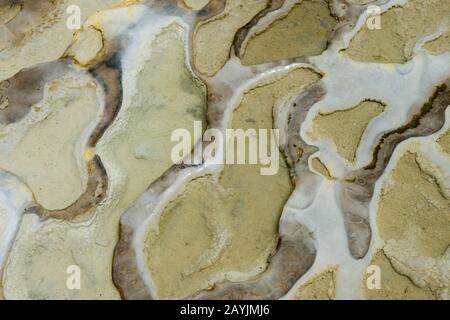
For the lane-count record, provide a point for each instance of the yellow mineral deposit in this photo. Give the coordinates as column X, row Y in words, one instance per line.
column 8, row 12
column 321, row 287
column 88, row 44
column 413, row 201
column 346, row 127
column 213, row 38
column 401, row 29
column 440, row 45
column 413, row 220
column 444, row 142
column 305, row 31
column 394, row 286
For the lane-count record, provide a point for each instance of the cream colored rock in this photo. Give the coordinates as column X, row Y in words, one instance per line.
column 195, row 4
column 86, row 118
column 49, row 156
column 304, row 31
column 321, row 287
column 401, row 29
column 146, row 121
column 346, row 127
column 88, row 44
column 41, row 33
column 213, row 38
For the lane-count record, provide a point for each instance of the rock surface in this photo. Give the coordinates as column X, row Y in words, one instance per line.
column 96, row 96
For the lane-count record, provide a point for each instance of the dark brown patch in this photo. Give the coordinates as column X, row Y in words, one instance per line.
column 32, row 14
column 125, row 275
column 108, row 74
column 19, row 93
column 213, row 8
column 95, row 192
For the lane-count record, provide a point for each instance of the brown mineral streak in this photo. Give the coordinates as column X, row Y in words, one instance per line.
column 295, row 254
column 97, row 59
column 243, row 32
column 108, row 74
column 213, row 8
column 297, row 149
column 125, row 272
column 358, row 186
